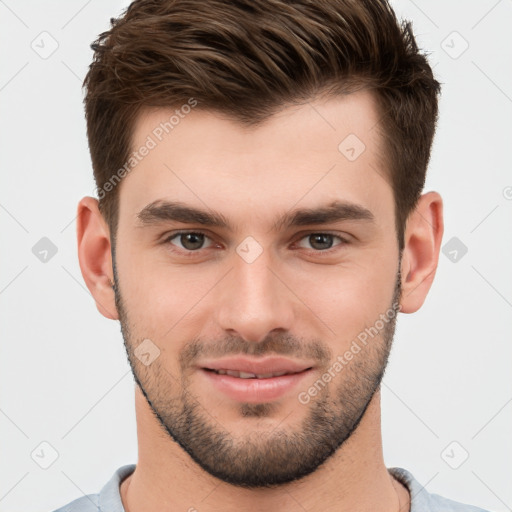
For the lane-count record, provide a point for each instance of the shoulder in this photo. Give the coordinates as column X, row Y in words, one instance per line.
column 107, row 500
column 444, row 504
column 423, row 501
column 88, row 503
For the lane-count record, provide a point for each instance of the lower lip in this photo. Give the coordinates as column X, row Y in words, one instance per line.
column 254, row 390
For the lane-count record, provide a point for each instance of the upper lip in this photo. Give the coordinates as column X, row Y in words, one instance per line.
column 257, row 366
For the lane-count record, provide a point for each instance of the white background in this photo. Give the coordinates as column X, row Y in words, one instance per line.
column 64, row 378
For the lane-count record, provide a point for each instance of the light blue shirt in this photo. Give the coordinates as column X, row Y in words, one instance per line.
column 109, row 499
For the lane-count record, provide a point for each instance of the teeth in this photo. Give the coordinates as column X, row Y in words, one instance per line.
column 269, row 375
column 266, row 376
column 241, row 375
column 246, row 375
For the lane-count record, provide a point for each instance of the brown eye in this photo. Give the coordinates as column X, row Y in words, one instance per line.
column 189, row 240
column 322, row 241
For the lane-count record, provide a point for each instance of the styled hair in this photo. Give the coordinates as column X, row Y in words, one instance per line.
column 248, row 59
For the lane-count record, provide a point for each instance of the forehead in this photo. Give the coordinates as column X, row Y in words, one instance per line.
column 316, row 153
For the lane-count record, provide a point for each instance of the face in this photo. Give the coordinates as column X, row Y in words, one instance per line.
column 263, row 251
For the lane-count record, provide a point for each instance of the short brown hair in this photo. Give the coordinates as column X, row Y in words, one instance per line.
column 248, row 58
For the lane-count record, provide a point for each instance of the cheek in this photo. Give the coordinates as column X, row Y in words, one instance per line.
column 350, row 299
column 158, row 296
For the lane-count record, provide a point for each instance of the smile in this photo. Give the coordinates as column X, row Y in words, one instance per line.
column 246, row 375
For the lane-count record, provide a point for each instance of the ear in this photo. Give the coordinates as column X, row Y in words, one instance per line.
column 94, row 255
column 422, row 243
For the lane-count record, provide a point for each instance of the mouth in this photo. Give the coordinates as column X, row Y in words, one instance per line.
column 264, row 385
column 248, row 375
column 254, row 380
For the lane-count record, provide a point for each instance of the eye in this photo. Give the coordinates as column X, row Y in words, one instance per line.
column 190, row 240
column 322, row 242
column 193, row 241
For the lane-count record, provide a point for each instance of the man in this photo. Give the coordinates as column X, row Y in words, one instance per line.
column 260, row 223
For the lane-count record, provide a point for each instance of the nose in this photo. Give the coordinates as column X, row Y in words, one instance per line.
column 255, row 300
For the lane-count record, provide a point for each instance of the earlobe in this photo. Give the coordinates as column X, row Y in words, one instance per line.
column 94, row 255
column 423, row 235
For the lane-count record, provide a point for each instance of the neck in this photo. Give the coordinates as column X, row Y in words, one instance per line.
column 354, row 478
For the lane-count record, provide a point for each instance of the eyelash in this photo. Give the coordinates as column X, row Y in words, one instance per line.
column 189, row 253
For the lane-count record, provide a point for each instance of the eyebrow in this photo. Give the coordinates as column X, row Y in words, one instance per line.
column 161, row 211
